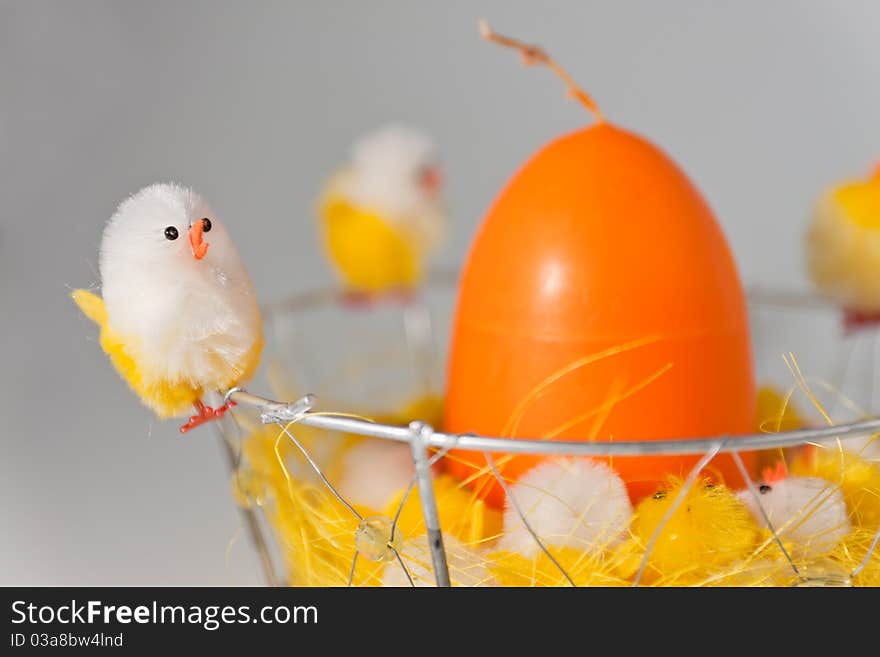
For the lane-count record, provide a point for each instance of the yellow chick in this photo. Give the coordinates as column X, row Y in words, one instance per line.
column 382, row 214
column 710, row 530
column 179, row 315
column 462, row 514
column 843, row 248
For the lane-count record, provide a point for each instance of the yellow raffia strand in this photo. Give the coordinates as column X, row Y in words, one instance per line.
column 462, row 514
column 605, row 408
column 513, row 569
column 314, row 531
column 542, row 387
column 776, row 412
column 709, row 532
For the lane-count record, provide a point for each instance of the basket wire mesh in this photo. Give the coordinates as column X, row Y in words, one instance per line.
column 377, row 536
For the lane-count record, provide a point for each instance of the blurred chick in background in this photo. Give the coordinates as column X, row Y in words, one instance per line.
column 843, row 248
column 381, row 214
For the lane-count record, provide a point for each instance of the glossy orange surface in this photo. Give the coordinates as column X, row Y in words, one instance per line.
column 599, row 301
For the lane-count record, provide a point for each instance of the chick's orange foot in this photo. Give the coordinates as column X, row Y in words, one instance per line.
column 857, row 320
column 357, row 299
column 205, row 414
column 403, row 295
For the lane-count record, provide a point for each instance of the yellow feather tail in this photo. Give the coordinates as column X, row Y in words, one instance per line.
column 91, row 305
column 166, row 398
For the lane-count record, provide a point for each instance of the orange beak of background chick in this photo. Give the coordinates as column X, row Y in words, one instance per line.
column 199, row 246
column 431, row 180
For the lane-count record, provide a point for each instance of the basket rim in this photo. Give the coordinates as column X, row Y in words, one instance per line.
column 300, row 412
column 764, row 295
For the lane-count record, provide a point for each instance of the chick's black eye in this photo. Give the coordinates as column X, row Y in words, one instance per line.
column 764, row 489
column 206, row 225
column 171, row 233
column 659, row 495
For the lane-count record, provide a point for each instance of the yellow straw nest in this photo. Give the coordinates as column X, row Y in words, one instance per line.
column 707, row 537
column 318, row 535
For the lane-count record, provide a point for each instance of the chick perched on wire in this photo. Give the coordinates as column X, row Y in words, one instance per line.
column 382, row 214
column 843, row 248
column 179, row 316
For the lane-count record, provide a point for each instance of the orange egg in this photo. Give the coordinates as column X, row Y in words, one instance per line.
column 599, row 301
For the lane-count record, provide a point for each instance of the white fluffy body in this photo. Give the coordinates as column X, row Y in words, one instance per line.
column 373, row 471
column 578, row 503
column 808, row 512
column 182, row 319
column 466, row 566
column 383, row 176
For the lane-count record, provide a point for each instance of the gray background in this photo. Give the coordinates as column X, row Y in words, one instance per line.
column 253, row 104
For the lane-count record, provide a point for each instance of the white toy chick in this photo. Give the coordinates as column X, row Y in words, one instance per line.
column 807, row 512
column 577, row 503
column 374, row 471
column 382, row 214
column 179, row 316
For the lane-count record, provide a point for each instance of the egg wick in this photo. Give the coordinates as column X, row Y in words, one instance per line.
column 533, row 54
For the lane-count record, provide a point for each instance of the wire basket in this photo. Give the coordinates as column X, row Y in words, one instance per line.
column 378, row 367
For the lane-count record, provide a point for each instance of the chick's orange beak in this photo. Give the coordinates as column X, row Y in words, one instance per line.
column 199, row 247
column 431, row 180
